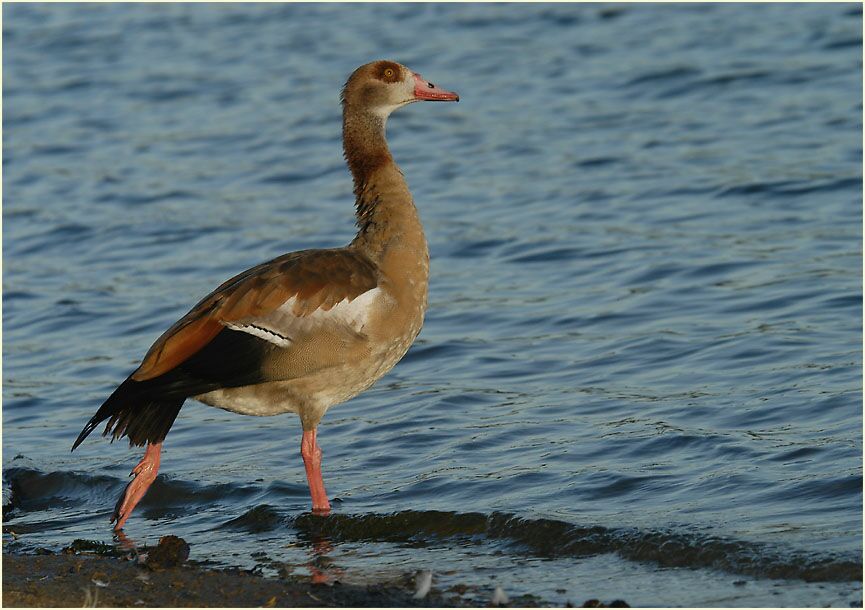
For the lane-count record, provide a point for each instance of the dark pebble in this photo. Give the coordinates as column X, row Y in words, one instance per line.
column 169, row 553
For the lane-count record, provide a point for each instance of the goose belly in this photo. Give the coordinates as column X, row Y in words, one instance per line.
column 314, row 393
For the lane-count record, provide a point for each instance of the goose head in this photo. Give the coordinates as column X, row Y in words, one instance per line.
column 380, row 87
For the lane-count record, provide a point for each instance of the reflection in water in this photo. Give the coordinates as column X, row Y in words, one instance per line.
column 125, row 543
column 321, row 567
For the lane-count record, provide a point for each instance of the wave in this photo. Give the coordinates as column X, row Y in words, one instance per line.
column 550, row 538
column 27, row 489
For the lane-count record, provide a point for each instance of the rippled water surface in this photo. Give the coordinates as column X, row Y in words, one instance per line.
column 640, row 374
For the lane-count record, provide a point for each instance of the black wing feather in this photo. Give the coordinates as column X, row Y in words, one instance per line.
column 144, row 411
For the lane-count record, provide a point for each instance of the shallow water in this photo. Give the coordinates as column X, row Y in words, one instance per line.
column 640, row 375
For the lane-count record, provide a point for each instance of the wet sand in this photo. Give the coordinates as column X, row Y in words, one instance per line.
column 64, row 580
column 90, row 580
column 90, row 573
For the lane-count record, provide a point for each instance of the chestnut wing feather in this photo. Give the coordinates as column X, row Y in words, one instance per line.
column 315, row 279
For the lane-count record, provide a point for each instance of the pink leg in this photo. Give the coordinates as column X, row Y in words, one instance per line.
column 144, row 474
column 311, row 453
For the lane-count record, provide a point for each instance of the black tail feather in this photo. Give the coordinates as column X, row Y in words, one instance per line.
column 134, row 412
column 145, row 410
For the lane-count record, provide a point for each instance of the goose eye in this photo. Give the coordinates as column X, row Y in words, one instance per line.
column 389, row 72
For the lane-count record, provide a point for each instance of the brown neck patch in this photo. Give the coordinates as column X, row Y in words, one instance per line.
column 364, row 143
column 366, row 152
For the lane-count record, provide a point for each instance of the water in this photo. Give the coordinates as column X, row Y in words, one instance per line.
column 640, row 375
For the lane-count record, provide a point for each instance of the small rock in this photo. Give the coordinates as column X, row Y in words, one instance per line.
column 170, row 552
column 423, row 582
column 500, row 598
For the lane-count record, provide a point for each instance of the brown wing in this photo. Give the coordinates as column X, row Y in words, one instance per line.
column 319, row 279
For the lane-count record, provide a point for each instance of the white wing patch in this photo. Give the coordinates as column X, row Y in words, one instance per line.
column 261, row 333
column 281, row 327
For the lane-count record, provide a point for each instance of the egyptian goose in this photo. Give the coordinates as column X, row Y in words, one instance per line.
column 306, row 330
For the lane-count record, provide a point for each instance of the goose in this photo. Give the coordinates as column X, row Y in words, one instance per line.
column 306, row 330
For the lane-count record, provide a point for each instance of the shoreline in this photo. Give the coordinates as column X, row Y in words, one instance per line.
column 82, row 575
column 63, row 580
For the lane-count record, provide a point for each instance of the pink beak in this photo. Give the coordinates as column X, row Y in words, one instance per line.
column 424, row 90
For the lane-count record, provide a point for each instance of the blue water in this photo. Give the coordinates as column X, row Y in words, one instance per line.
column 640, row 374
